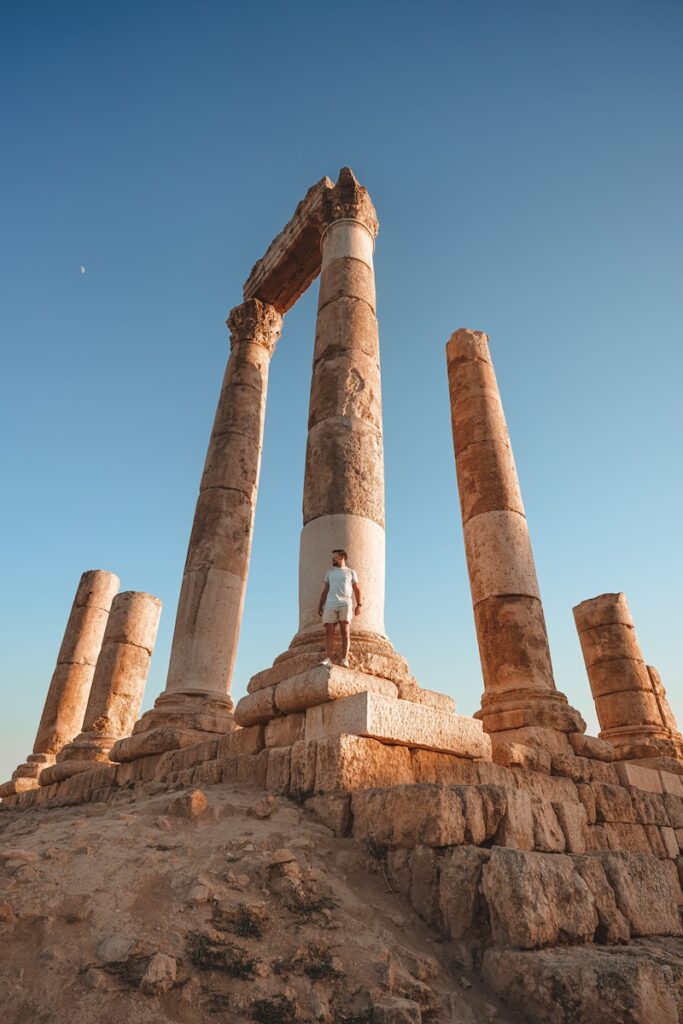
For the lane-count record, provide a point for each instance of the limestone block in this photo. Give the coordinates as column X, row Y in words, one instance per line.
column 537, row 899
column 519, row 755
column 278, row 772
column 605, row 610
column 640, row 778
column 573, row 821
column 117, row 690
column 606, row 773
column 548, row 834
column 302, row 768
column 256, row 708
column 487, row 478
column 627, row 708
column 221, row 532
column 346, row 384
column 612, row 803
column 424, row 884
column 570, row 766
column 239, row 412
column 671, row 783
column 242, row 741
column 347, row 278
column 233, row 461
column 83, row 634
column 134, row 619
column 64, row 706
column 567, row 985
column 648, row 808
column 347, row 454
column 286, row 730
column 397, row 866
column 322, row 684
column 670, row 842
column 156, row 741
column 333, row 810
column 432, row 698
column 513, row 643
column 516, row 829
column 408, row 816
column 460, row 902
column 347, row 238
column 547, row 787
column 348, row 763
column 623, row 836
column 476, row 419
column 346, row 326
column 252, row 769
column 612, row 925
column 484, row 808
column 447, row 769
column 609, row 642
column 610, row 677
column 587, row 798
column 643, row 893
column 396, row 721
column 591, row 747
column 499, row 557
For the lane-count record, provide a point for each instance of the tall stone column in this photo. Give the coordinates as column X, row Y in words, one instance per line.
column 630, row 700
column 343, row 500
column 69, row 689
column 197, row 697
column 117, row 688
column 520, row 702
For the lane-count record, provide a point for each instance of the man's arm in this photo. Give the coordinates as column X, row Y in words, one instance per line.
column 321, row 602
column 359, row 601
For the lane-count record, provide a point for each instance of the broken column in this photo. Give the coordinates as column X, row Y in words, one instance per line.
column 117, row 688
column 630, row 699
column 520, row 701
column 197, row 697
column 69, row 689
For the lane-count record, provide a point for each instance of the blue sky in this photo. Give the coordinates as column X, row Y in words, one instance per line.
column 525, row 161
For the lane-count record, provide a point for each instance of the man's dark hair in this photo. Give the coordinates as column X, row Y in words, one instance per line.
column 340, row 551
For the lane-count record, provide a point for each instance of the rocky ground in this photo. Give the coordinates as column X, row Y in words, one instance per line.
column 213, row 905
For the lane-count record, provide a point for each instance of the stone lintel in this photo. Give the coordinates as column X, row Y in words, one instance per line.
column 399, row 722
column 292, row 260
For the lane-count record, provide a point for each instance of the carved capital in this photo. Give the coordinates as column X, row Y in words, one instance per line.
column 349, row 201
column 255, row 323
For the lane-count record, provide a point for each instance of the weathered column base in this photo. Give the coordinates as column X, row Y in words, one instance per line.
column 536, row 718
column 641, row 742
column 26, row 776
column 88, row 751
column 176, row 720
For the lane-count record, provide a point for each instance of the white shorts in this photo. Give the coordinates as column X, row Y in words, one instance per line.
column 339, row 613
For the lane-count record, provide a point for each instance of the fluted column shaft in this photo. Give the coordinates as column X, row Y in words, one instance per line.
column 520, row 698
column 630, row 700
column 69, row 689
column 117, row 688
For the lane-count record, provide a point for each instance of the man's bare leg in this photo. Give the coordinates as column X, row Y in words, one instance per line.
column 345, row 640
column 329, row 638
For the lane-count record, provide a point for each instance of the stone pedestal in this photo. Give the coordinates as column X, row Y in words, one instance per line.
column 197, row 697
column 69, row 689
column 520, row 702
column 117, row 688
column 630, row 700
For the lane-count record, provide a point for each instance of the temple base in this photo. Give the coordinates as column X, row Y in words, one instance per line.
column 177, row 720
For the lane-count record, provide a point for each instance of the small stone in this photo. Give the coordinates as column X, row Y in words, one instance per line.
column 114, row 948
column 263, row 808
column 464, row 983
column 160, row 974
column 282, row 856
column 163, row 823
column 198, row 894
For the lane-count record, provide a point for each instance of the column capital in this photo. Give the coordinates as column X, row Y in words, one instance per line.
column 256, row 323
column 349, row 201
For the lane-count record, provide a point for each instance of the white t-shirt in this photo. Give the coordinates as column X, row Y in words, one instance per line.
column 341, row 582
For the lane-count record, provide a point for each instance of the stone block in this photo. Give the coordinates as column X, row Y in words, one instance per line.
column 349, row 474
column 424, row 884
column 499, row 557
column 537, row 899
column 484, row 807
column 674, row 810
column 513, row 642
column 570, row 766
column 400, row 722
column 322, row 684
column 678, row 832
column 591, row 747
column 156, row 741
column 587, row 799
column 302, row 768
column 445, row 769
column 333, row 810
column 671, row 783
column 462, row 908
column 573, row 821
column 519, row 755
column 355, row 762
column 408, row 816
column 252, row 769
column 639, row 778
column 278, row 772
column 630, row 707
column 649, row 808
column 516, row 829
column 627, row 837
column 612, row 803
column 256, row 708
column 603, row 772
column 657, row 846
column 670, row 841
column 612, row 925
column 397, row 867
column 643, row 892
column 242, row 741
column 286, row 730
column 553, row 788
column 548, row 834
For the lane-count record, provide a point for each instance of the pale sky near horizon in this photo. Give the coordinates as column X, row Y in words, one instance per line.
column 526, row 164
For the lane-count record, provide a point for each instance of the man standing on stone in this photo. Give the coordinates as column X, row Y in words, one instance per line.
column 336, row 605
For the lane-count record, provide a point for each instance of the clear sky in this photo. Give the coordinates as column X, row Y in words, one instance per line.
column 526, row 163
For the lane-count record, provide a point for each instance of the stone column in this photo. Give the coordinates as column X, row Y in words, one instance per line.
column 117, row 688
column 69, row 689
column 630, row 700
column 197, row 696
column 343, row 501
column 520, row 702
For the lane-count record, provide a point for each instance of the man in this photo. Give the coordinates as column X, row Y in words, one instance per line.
column 336, row 605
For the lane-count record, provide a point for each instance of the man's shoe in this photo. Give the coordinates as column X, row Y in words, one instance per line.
column 344, row 662
column 326, row 662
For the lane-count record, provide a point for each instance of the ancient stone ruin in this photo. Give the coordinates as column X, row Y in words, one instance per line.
column 544, row 856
